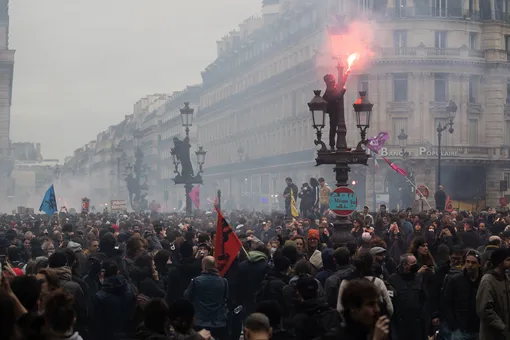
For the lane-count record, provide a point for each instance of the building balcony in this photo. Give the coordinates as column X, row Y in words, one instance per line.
column 422, row 52
column 433, row 12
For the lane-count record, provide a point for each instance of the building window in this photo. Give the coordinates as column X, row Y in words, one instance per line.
column 364, row 5
column 440, row 39
column 473, row 132
column 363, row 82
column 399, row 41
column 440, row 7
column 400, row 87
column 440, row 87
column 473, row 37
column 508, row 91
column 445, row 135
column 397, row 124
column 473, row 89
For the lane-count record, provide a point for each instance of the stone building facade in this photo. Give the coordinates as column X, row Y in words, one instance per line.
column 255, row 123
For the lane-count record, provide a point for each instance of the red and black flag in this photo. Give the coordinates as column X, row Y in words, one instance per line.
column 226, row 245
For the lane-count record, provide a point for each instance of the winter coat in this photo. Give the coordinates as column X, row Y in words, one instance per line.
column 470, row 239
column 251, row 275
column 460, row 304
column 409, row 303
column 332, row 284
column 65, row 278
column 314, row 318
column 209, row 293
column 142, row 279
column 179, row 276
column 114, row 308
column 493, row 306
column 272, row 289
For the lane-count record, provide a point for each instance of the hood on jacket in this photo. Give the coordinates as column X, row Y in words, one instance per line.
column 63, row 273
column 139, row 273
column 115, row 285
column 74, row 246
column 257, row 256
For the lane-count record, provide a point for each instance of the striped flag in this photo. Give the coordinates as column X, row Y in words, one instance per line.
column 293, row 209
column 395, row 167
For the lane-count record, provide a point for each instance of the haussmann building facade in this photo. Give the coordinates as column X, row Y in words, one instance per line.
column 257, row 129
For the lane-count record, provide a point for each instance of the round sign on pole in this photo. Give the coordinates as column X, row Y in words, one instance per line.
column 343, row 201
column 422, row 191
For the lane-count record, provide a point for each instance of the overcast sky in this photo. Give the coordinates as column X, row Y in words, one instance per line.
column 81, row 65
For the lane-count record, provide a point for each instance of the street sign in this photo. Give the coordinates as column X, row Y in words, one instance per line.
column 422, row 191
column 343, row 201
column 118, row 205
column 85, row 204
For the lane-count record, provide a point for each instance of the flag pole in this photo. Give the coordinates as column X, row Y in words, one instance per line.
column 419, row 191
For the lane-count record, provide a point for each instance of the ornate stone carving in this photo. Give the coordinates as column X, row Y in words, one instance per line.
column 400, row 107
column 475, row 109
column 438, row 107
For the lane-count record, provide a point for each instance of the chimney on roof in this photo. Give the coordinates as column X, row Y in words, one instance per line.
column 270, row 11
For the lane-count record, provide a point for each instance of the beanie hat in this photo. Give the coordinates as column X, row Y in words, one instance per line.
column 316, row 259
column 499, row 255
column 366, row 237
column 186, row 250
column 313, row 233
column 289, row 250
column 289, row 244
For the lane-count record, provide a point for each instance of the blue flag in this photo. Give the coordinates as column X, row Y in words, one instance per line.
column 49, row 202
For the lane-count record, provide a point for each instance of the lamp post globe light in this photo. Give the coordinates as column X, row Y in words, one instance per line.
column 340, row 155
column 451, row 110
column 181, row 156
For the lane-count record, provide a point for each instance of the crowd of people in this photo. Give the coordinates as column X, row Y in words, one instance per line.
column 154, row 276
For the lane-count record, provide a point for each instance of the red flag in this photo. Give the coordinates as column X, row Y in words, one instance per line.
column 395, row 167
column 226, row 245
column 448, row 206
column 195, row 196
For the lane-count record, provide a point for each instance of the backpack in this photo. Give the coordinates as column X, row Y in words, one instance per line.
column 331, row 290
column 318, row 323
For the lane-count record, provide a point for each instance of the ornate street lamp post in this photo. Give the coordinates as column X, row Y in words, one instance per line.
column 181, row 156
column 451, row 110
column 341, row 156
column 402, row 141
column 136, row 178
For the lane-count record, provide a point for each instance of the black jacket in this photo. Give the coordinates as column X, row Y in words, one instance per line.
column 142, row 279
column 470, row 239
column 409, row 304
column 114, row 308
column 314, row 318
column 272, row 289
column 440, row 198
column 460, row 304
column 294, row 192
column 179, row 276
